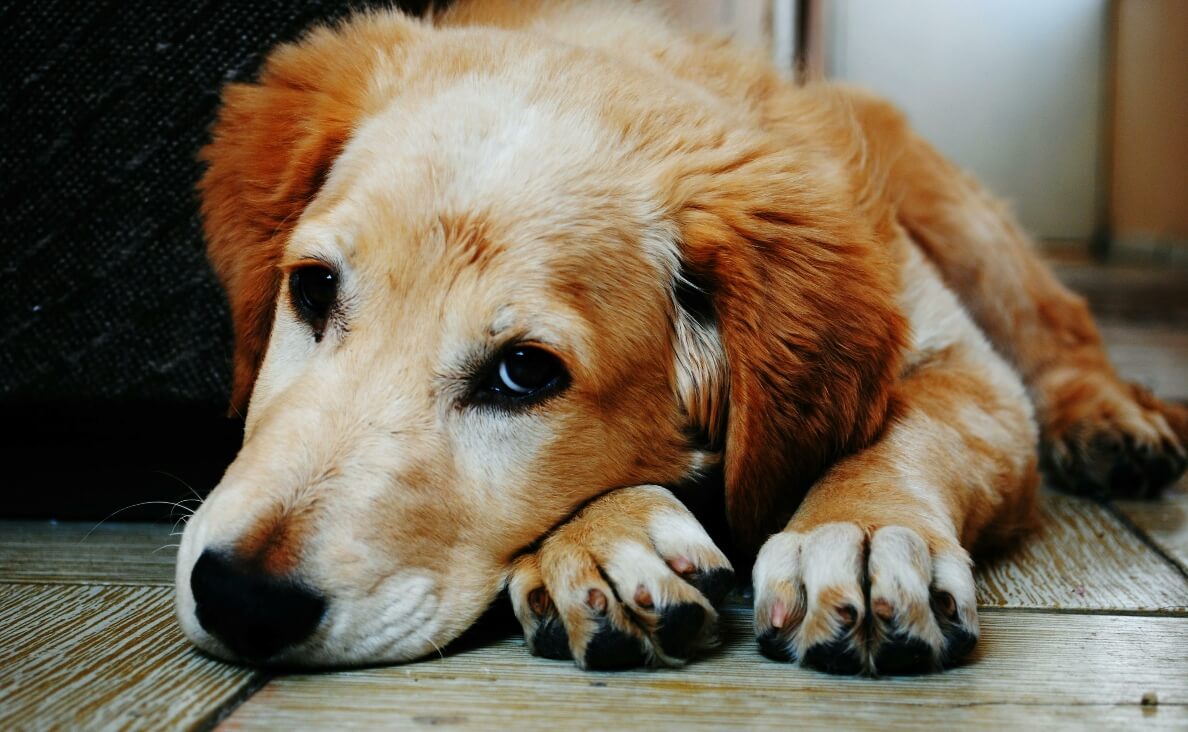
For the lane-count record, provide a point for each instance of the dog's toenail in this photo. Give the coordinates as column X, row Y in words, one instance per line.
column 611, row 648
column 775, row 647
column 539, row 601
column 643, row 598
column 680, row 627
column 779, row 614
column 903, row 654
column 834, row 657
column 597, row 600
column 883, row 608
column 714, row 584
column 551, row 641
column 681, row 565
column 848, row 614
column 1126, row 479
column 946, row 603
column 958, row 643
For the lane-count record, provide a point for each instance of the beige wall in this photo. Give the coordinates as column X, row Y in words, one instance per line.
column 747, row 21
column 1011, row 90
column 1149, row 196
column 1147, row 152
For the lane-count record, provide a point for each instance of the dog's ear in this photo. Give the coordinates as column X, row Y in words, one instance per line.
column 802, row 289
column 272, row 146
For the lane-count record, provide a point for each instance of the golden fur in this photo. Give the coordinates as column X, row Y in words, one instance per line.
column 569, row 174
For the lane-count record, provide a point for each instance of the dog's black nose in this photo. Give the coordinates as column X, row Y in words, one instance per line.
column 254, row 614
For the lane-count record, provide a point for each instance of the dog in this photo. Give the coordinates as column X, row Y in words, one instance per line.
column 508, row 280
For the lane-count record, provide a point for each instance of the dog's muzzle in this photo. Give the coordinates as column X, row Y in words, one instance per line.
column 256, row 615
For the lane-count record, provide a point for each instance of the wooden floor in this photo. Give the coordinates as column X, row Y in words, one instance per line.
column 1084, row 625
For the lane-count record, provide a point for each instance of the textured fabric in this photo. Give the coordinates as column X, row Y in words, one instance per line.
column 105, row 292
column 115, row 340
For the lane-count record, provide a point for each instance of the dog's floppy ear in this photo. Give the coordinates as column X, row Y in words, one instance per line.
column 803, row 298
column 273, row 144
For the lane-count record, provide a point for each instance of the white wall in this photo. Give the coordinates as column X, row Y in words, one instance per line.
column 1010, row 89
column 747, row 21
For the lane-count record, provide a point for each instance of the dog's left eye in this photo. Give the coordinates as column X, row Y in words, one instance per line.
column 523, row 373
column 314, row 289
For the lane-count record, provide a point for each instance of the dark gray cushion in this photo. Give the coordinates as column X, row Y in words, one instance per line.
column 114, row 336
column 106, row 292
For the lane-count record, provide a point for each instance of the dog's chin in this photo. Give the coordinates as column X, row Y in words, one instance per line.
column 311, row 657
column 402, row 619
column 336, row 643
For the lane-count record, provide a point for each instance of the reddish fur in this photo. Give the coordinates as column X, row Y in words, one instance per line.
column 273, row 543
column 274, row 141
column 796, row 208
column 810, row 374
column 784, row 258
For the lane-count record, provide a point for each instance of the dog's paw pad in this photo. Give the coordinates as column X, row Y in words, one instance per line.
column 612, row 649
column 1105, row 438
column 834, row 657
column 550, row 641
column 775, row 646
column 813, row 590
column 960, row 639
column 902, row 654
column 959, row 642
column 631, row 585
column 714, row 583
column 680, row 627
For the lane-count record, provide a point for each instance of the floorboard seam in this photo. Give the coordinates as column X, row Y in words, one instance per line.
column 216, row 716
column 1041, row 705
column 1174, row 612
column 83, row 583
column 1146, row 538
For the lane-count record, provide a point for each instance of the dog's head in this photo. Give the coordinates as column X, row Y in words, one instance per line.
column 477, row 280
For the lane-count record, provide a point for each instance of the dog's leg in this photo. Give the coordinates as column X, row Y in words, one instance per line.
column 873, row 572
column 1099, row 434
column 631, row 579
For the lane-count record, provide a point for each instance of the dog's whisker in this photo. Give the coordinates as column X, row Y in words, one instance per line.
column 167, row 546
column 425, row 637
column 197, row 495
column 172, row 504
column 182, row 521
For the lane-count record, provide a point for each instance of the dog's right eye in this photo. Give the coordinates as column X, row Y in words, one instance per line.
column 520, row 376
column 314, row 290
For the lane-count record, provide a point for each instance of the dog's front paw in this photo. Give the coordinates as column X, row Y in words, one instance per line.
column 632, row 579
column 844, row 601
column 1104, row 437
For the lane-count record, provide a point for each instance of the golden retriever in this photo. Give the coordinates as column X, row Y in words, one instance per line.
column 508, row 280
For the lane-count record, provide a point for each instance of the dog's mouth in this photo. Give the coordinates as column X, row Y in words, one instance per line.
column 330, row 610
column 239, row 613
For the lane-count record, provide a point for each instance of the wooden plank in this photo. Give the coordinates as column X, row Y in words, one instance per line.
column 1164, row 521
column 1039, row 670
column 1151, row 355
column 105, row 657
column 1081, row 557
column 81, row 552
column 1079, row 539
column 1128, row 294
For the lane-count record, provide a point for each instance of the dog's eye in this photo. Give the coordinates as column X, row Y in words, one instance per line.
column 314, row 289
column 525, row 370
column 522, row 374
